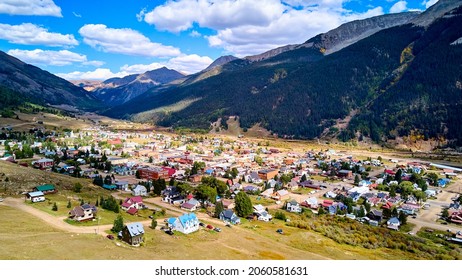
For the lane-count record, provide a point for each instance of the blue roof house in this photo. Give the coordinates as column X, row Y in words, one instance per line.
column 186, row 223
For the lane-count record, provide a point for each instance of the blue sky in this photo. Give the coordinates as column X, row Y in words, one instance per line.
column 99, row 39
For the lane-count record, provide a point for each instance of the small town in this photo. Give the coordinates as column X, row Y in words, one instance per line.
column 132, row 182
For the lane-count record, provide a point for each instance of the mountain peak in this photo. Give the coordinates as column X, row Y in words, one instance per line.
column 220, row 61
column 436, row 11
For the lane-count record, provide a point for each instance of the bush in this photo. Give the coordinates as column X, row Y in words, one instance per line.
column 280, row 216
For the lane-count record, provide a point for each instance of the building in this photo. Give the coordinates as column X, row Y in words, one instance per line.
column 348, row 174
column 293, row 206
column 133, row 234
column 140, row 190
column 46, row 189
column 267, row 174
column 43, row 163
column 36, row 196
column 153, row 173
column 83, row 212
column 186, row 223
column 230, row 217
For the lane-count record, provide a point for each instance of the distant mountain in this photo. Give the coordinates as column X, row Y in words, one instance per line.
column 220, row 61
column 116, row 91
column 399, row 81
column 31, row 83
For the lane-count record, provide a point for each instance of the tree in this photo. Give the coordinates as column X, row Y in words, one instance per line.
column 218, row 209
column 367, row 206
column 69, row 205
column 445, row 214
column 204, row 192
column 433, row 178
column 77, row 187
column 150, row 159
column 104, row 158
column 118, row 224
column 137, row 174
column 280, row 215
column 356, row 179
column 399, row 176
column 361, row 212
column 171, row 182
column 153, row 223
column 402, row 218
column 55, row 207
column 243, row 204
column 234, row 172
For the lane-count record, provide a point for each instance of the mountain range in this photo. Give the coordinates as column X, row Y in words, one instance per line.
column 391, row 76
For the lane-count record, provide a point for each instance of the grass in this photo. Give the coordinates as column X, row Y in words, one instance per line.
column 261, row 200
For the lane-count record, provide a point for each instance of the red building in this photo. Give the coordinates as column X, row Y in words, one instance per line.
column 153, row 173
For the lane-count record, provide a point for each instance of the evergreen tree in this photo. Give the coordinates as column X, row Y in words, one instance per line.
column 55, row 207
column 356, row 179
column 218, row 209
column 243, row 204
column 69, row 205
column 402, row 218
column 303, row 179
column 118, row 224
column 153, row 223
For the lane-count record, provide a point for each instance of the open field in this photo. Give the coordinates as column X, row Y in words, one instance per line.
column 34, row 239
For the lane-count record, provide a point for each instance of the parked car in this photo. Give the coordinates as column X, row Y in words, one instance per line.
column 202, row 224
column 110, row 236
column 151, row 217
column 279, row 231
column 169, row 232
column 228, row 225
column 217, row 229
column 209, row 227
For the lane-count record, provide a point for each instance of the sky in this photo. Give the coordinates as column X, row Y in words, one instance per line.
column 100, row 39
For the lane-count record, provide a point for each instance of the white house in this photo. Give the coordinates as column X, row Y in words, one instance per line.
column 140, row 190
column 186, row 223
column 261, row 213
column 293, row 206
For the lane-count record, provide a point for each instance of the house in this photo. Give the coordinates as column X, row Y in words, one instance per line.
column 36, row 196
column 43, row 163
column 230, row 217
column 267, row 193
column 135, row 202
column 228, row 204
column 393, row 223
column 253, row 178
column 456, row 217
column 140, row 190
column 122, row 185
column 133, row 234
column 293, row 206
column 292, row 185
column 190, row 205
column 348, row 174
column 267, row 174
column 250, row 189
column 281, row 195
column 311, row 202
column 261, row 213
column 375, row 215
column 46, row 189
column 186, row 223
column 83, row 212
column 196, row 178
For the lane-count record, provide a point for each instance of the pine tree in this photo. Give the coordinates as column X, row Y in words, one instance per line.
column 69, row 205
column 118, row 224
column 153, row 223
column 218, row 209
column 243, row 204
column 55, row 207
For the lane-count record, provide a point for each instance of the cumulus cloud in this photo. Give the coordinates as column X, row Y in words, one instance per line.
column 429, row 3
column 245, row 27
column 30, row 8
column 195, row 34
column 124, row 41
column 46, row 57
column 187, row 64
column 399, row 7
column 99, row 74
column 31, row 34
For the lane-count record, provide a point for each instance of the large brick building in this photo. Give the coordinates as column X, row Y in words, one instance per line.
column 267, row 174
column 153, row 173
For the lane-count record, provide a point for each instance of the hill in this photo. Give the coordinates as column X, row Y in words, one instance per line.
column 24, row 82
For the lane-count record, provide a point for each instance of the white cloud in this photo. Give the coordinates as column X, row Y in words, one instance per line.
column 124, row 41
column 95, row 63
column 399, row 7
column 429, row 3
column 30, row 8
column 245, row 27
column 45, row 57
column 31, row 34
column 141, row 14
column 99, row 74
column 195, row 34
column 77, row 15
column 187, row 64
